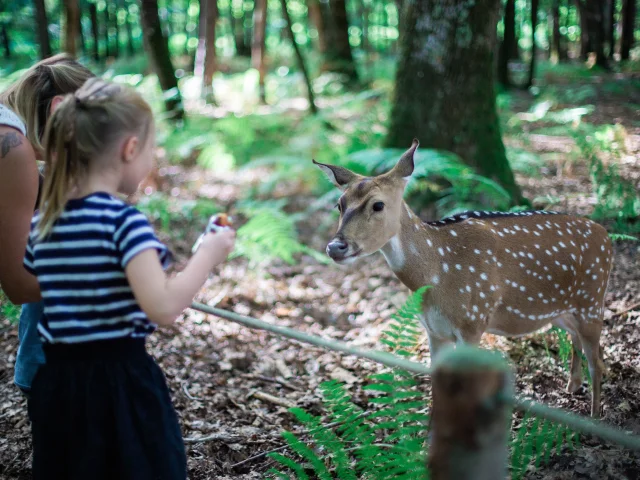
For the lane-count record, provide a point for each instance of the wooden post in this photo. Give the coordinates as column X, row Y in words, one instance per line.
column 470, row 423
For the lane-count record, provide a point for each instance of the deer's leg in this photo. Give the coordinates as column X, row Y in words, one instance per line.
column 590, row 336
column 569, row 324
column 436, row 344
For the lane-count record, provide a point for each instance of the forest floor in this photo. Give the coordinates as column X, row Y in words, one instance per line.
column 217, row 370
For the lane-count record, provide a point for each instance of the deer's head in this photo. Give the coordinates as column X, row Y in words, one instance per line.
column 370, row 208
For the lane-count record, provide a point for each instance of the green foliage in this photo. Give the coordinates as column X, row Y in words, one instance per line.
column 533, row 442
column 7, row 309
column 617, row 198
column 619, row 237
column 387, row 441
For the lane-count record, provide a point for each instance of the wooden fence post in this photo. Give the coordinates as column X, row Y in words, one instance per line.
column 470, row 423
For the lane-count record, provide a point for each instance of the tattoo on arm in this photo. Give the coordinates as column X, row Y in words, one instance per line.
column 7, row 142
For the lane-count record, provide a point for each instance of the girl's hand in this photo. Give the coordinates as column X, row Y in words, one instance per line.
column 219, row 244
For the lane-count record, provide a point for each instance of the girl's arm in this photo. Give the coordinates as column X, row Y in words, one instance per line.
column 163, row 298
column 18, row 194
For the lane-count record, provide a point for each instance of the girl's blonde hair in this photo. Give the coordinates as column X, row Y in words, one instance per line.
column 31, row 96
column 83, row 128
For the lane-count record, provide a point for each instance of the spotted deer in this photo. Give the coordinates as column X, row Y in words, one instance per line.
column 508, row 274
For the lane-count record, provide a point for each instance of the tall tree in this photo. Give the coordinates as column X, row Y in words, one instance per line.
column 611, row 27
column 339, row 57
column 318, row 19
column 508, row 45
column 93, row 17
column 42, row 24
column 205, row 63
column 628, row 28
column 4, row 38
column 594, row 10
column 131, row 49
column 558, row 44
column 105, row 31
column 258, row 46
column 158, row 48
column 116, row 30
column 586, row 44
column 534, row 25
column 83, row 43
column 301, row 63
column 444, row 92
column 238, row 15
column 71, row 23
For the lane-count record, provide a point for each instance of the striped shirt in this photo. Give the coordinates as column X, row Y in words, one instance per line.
column 80, row 267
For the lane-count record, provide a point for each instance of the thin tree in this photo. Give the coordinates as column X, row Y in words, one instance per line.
column 131, row 49
column 444, row 92
column 534, row 25
column 339, row 57
column 258, row 46
column 93, row 17
column 628, row 28
column 318, row 21
column 611, row 28
column 105, row 30
column 595, row 23
column 301, row 64
column 83, row 43
column 158, row 48
column 558, row 45
column 585, row 39
column 4, row 38
column 508, row 44
column 42, row 26
column 116, row 30
column 71, row 22
column 206, row 54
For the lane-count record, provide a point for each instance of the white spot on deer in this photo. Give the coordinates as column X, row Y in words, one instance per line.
column 537, row 234
column 522, row 289
column 453, row 233
column 414, row 249
column 562, row 245
column 476, row 251
column 441, row 251
column 458, row 266
column 489, row 252
column 468, row 288
column 483, row 276
column 435, row 280
column 475, row 308
column 471, row 268
column 594, row 276
column 537, row 246
column 554, row 248
column 429, row 242
column 564, row 267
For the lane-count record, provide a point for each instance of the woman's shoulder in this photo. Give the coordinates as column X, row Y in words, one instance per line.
column 8, row 118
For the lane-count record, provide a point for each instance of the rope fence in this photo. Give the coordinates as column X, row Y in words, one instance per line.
column 576, row 422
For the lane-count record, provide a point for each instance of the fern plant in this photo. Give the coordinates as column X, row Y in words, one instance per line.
column 387, row 443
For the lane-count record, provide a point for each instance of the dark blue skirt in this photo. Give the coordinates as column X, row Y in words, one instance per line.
column 102, row 410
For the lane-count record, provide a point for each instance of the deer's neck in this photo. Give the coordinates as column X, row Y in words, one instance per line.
column 412, row 253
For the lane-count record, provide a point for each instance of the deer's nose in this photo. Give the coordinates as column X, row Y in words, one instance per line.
column 337, row 248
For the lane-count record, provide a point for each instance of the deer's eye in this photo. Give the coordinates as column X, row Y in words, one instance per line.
column 337, row 205
column 378, row 207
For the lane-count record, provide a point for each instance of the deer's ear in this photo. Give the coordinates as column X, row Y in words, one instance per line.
column 404, row 167
column 339, row 176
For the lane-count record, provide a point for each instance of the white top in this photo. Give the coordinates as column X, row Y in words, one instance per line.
column 10, row 119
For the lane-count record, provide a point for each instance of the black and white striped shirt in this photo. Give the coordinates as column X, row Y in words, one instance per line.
column 80, row 267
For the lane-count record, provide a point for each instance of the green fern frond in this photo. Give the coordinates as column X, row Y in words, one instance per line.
column 618, row 237
column 297, row 469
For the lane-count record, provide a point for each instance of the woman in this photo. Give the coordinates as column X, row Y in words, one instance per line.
column 24, row 109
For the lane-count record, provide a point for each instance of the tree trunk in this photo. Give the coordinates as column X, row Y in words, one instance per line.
column 6, row 44
column 339, row 56
column 558, row 47
column 628, row 27
column 611, row 28
column 595, row 23
column 585, row 39
column 71, row 22
column 258, row 46
column 508, row 44
column 83, row 43
column 301, row 63
column 116, row 33
column 210, row 48
column 43, row 28
column 243, row 48
column 131, row 49
column 318, row 20
column 93, row 16
column 444, row 93
column 534, row 24
column 158, row 49
column 105, row 31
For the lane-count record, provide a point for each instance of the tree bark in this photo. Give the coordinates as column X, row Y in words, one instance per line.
column 585, row 39
column 116, row 33
column 508, row 44
column 243, row 48
column 105, row 31
column 339, row 56
column 6, row 44
column 83, row 43
column 210, row 48
column 444, row 93
column 71, row 22
column 158, row 49
column 628, row 27
column 534, row 24
column 611, row 28
column 318, row 20
column 258, row 45
column 595, row 23
column 558, row 47
column 43, row 28
column 301, row 64
column 93, row 16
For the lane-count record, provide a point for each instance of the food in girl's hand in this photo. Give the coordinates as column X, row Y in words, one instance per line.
column 216, row 223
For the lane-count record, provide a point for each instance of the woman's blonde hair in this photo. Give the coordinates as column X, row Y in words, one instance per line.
column 31, row 96
column 83, row 128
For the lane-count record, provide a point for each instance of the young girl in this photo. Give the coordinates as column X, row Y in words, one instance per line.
column 100, row 407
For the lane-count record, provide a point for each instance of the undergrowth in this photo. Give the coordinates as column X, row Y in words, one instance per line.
column 387, row 439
